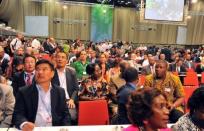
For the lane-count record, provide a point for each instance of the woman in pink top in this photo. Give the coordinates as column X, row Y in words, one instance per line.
column 148, row 111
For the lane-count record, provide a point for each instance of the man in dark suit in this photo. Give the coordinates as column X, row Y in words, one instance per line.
column 49, row 46
column 65, row 77
column 4, row 63
column 149, row 69
column 25, row 77
column 131, row 77
column 178, row 66
column 188, row 63
column 41, row 104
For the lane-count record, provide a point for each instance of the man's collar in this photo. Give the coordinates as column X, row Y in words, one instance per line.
column 29, row 73
column 64, row 70
column 40, row 88
column 131, row 84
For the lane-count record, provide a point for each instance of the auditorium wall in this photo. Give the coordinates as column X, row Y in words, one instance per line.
column 124, row 19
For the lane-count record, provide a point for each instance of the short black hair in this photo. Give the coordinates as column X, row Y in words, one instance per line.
column 195, row 102
column 130, row 74
column 26, row 56
column 63, row 53
column 43, row 61
column 140, row 105
column 90, row 68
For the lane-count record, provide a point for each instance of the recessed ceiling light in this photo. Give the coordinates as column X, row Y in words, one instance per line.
column 194, row 1
column 64, row 7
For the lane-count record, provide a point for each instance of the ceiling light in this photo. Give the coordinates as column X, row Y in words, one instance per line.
column 189, row 17
column 194, row 1
column 64, row 7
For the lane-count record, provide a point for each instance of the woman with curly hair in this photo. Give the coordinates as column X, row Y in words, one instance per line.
column 147, row 110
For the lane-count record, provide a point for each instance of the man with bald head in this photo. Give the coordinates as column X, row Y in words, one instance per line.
column 170, row 85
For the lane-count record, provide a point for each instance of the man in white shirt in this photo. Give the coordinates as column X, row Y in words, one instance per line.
column 35, row 44
column 16, row 43
column 65, row 77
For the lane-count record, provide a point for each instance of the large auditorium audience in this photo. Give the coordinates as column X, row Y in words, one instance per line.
column 42, row 82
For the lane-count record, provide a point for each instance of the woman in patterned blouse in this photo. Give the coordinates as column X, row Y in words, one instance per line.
column 193, row 121
column 94, row 87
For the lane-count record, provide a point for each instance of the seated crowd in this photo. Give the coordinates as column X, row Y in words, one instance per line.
column 42, row 84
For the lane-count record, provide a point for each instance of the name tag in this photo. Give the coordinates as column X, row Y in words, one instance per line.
column 84, row 73
column 167, row 89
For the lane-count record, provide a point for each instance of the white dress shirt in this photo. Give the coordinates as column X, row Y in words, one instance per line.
column 44, row 115
column 16, row 43
column 36, row 44
column 63, row 81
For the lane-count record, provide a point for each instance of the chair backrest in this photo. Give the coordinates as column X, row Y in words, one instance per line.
column 141, row 80
column 202, row 78
column 45, row 56
column 191, row 81
column 188, row 92
column 93, row 113
column 190, row 70
column 191, row 73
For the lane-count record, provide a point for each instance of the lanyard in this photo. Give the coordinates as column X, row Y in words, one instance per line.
column 44, row 104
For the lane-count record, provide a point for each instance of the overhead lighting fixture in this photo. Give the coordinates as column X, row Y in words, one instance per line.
column 64, row 7
column 194, row 1
column 189, row 17
column 39, row 0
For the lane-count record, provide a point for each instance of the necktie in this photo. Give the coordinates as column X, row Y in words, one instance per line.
column 29, row 79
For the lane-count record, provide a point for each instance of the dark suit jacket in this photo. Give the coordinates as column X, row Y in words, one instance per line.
column 173, row 68
column 187, row 66
column 27, row 104
column 146, row 70
column 18, row 81
column 72, row 83
column 3, row 66
column 48, row 48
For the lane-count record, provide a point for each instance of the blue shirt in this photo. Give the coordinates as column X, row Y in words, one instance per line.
column 43, row 116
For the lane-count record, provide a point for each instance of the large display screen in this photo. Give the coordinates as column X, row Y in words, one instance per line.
column 164, row 10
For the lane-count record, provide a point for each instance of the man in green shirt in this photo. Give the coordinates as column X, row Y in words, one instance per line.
column 80, row 65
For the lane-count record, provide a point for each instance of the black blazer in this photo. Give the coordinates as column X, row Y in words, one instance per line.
column 18, row 81
column 3, row 66
column 27, row 104
column 48, row 48
column 173, row 68
column 72, row 83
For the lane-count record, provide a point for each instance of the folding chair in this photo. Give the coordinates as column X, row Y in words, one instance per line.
column 202, row 78
column 141, row 80
column 188, row 92
column 190, row 70
column 191, row 81
column 93, row 113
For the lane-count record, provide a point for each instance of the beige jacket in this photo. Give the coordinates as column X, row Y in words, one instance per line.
column 7, row 102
